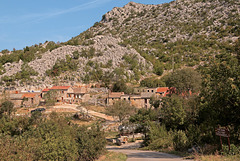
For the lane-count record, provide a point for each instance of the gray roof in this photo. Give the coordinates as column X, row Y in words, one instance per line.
column 16, row 96
column 135, row 96
column 146, row 95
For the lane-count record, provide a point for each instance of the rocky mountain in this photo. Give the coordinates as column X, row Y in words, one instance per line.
column 130, row 43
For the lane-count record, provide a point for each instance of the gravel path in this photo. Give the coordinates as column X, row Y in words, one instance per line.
column 140, row 155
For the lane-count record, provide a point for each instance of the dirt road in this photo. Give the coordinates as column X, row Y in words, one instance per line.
column 73, row 108
column 140, row 155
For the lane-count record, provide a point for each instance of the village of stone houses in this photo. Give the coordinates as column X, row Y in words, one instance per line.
column 76, row 98
column 147, row 82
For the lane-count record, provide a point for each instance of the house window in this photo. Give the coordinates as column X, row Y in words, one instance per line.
column 62, row 91
column 148, row 90
column 152, row 91
column 112, row 98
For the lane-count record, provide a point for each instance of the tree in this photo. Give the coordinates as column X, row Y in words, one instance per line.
column 152, row 83
column 173, row 113
column 155, row 102
column 90, row 142
column 184, row 81
column 220, row 94
column 51, row 97
column 122, row 109
column 7, row 106
column 120, row 86
column 143, row 117
column 76, row 54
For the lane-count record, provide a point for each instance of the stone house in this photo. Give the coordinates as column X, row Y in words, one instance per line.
column 44, row 91
column 64, row 93
column 162, row 92
column 137, row 101
column 25, row 99
column 16, row 99
column 78, row 95
column 31, row 99
column 113, row 96
column 146, row 96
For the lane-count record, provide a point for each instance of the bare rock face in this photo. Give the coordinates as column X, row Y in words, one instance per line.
column 12, row 68
column 113, row 51
column 106, row 44
column 149, row 32
column 49, row 59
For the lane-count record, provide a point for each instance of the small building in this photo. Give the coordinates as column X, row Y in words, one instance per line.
column 80, row 95
column 16, row 99
column 146, row 96
column 114, row 96
column 25, row 99
column 137, row 101
column 65, row 93
column 31, row 99
column 162, row 91
column 149, row 90
column 44, row 91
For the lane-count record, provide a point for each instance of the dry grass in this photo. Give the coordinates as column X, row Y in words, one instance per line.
column 217, row 158
column 86, row 123
column 100, row 109
column 113, row 156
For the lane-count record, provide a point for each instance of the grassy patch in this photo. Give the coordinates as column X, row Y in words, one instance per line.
column 111, row 134
column 217, row 158
column 113, row 156
column 100, row 109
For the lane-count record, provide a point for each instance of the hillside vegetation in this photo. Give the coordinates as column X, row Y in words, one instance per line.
column 131, row 43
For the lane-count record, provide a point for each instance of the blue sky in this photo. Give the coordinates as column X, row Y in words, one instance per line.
column 27, row 22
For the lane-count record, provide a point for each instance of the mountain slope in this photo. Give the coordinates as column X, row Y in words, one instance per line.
column 131, row 42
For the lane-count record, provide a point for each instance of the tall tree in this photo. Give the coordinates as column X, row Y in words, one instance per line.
column 122, row 109
column 51, row 97
column 173, row 112
column 7, row 107
column 220, row 94
column 184, row 81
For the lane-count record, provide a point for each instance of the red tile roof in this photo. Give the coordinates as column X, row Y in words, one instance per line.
column 162, row 89
column 29, row 95
column 45, row 90
column 60, row 87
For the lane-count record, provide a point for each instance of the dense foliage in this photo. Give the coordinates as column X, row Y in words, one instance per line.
column 121, row 109
column 53, row 138
column 62, row 66
column 182, row 122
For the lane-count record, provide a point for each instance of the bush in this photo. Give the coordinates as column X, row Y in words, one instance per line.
column 38, row 138
column 158, row 137
column 234, row 150
column 91, row 143
column 180, row 141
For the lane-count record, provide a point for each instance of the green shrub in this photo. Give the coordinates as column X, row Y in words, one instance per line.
column 180, row 140
column 159, row 137
column 38, row 138
column 234, row 150
column 91, row 143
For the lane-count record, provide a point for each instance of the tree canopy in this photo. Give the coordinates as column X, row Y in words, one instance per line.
column 122, row 109
column 184, row 81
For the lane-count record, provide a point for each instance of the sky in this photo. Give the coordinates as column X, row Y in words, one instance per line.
column 27, row 22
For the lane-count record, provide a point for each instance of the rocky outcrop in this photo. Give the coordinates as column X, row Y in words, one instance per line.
column 155, row 34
